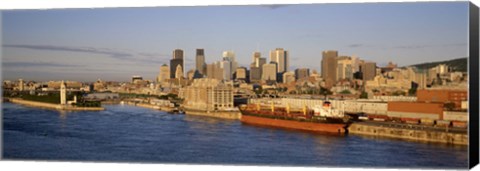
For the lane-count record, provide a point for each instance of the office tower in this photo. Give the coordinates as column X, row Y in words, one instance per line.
column 280, row 56
column 136, row 78
column 190, row 74
column 164, row 73
column 355, row 64
column 200, row 61
column 230, row 56
column 260, row 62
column 178, row 54
column 177, row 60
column 368, row 70
column 269, row 72
column 288, row 77
column 302, row 73
column 218, row 70
column 344, row 68
column 210, row 71
column 255, row 74
column 255, row 56
column 241, row 73
column 227, row 70
column 329, row 67
column 179, row 72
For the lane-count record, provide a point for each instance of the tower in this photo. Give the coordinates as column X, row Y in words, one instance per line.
column 200, row 65
column 63, row 93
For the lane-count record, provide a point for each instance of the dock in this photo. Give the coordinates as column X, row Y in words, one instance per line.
column 411, row 132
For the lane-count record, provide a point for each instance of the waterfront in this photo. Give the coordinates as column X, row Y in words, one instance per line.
column 132, row 134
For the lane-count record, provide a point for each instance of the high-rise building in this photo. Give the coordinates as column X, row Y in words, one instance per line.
column 344, row 68
column 329, row 67
column 230, row 56
column 269, row 72
column 302, row 73
column 280, row 56
column 177, row 60
column 218, row 70
column 164, row 73
column 178, row 54
column 179, row 72
column 227, row 70
column 200, row 61
column 255, row 56
column 288, row 77
column 211, row 70
column 255, row 74
column 241, row 73
column 369, row 70
column 136, row 78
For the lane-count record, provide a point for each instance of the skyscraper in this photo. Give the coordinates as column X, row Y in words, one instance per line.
column 230, row 56
column 200, row 61
column 179, row 72
column 210, row 71
column 269, row 72
column 329, row 67
column 368, row 70
column 227, row 70
column 288, row 77
column 241, row 73
column 177, row 60
column 344, row 68
column 255, row 74
column 178, row 54
column 302, row 73
column 280, row 56
column 164, row 73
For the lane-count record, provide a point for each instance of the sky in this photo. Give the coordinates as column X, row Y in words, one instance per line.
column 117, row 43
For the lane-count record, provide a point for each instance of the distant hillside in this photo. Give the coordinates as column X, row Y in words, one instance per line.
column 459, row 64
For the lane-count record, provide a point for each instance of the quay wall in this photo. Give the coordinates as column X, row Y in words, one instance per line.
column 150, row 106
column 409, row 134
column 216, row 114
column 53, row 106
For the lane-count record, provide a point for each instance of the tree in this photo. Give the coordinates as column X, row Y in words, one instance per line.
column 345, row 92
column 364, row 95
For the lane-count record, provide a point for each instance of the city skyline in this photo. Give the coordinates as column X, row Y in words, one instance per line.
column 116, row 43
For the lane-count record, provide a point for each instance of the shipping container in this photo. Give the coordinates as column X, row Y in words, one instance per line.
column 442, row 123
column 427, row 121
column 459, row 124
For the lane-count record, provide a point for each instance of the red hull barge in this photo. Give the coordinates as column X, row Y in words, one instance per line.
column 297, row 125
column 284, row 118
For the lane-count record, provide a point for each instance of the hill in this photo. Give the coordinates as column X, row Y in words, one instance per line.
column 459, row 64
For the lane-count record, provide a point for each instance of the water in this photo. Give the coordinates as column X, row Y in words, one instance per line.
column 133, row 134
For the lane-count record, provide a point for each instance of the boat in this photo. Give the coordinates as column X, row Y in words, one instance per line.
column 321, row 118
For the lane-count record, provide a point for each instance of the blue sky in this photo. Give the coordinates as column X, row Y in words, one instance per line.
column 116, row 43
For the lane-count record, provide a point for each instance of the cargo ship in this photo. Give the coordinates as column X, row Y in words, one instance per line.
column 322, row 118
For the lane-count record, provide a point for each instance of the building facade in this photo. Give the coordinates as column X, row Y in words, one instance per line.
column 207, row 94
column 329, row 67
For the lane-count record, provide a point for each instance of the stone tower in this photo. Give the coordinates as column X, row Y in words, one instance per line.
column 63, row 93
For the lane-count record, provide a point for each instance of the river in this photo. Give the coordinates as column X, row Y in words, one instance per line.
column 124, row 133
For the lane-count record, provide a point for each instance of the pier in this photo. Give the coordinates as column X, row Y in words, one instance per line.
column 411, row 132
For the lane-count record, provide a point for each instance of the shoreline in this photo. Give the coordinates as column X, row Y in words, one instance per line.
column 50, row 105
column 233, row 115
column 407, row 134
column 149, row 106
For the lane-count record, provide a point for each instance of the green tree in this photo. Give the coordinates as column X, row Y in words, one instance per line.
column 364, row 95
column 345, row 92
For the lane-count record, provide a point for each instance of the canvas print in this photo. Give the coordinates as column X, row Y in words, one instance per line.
column 317, row 85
